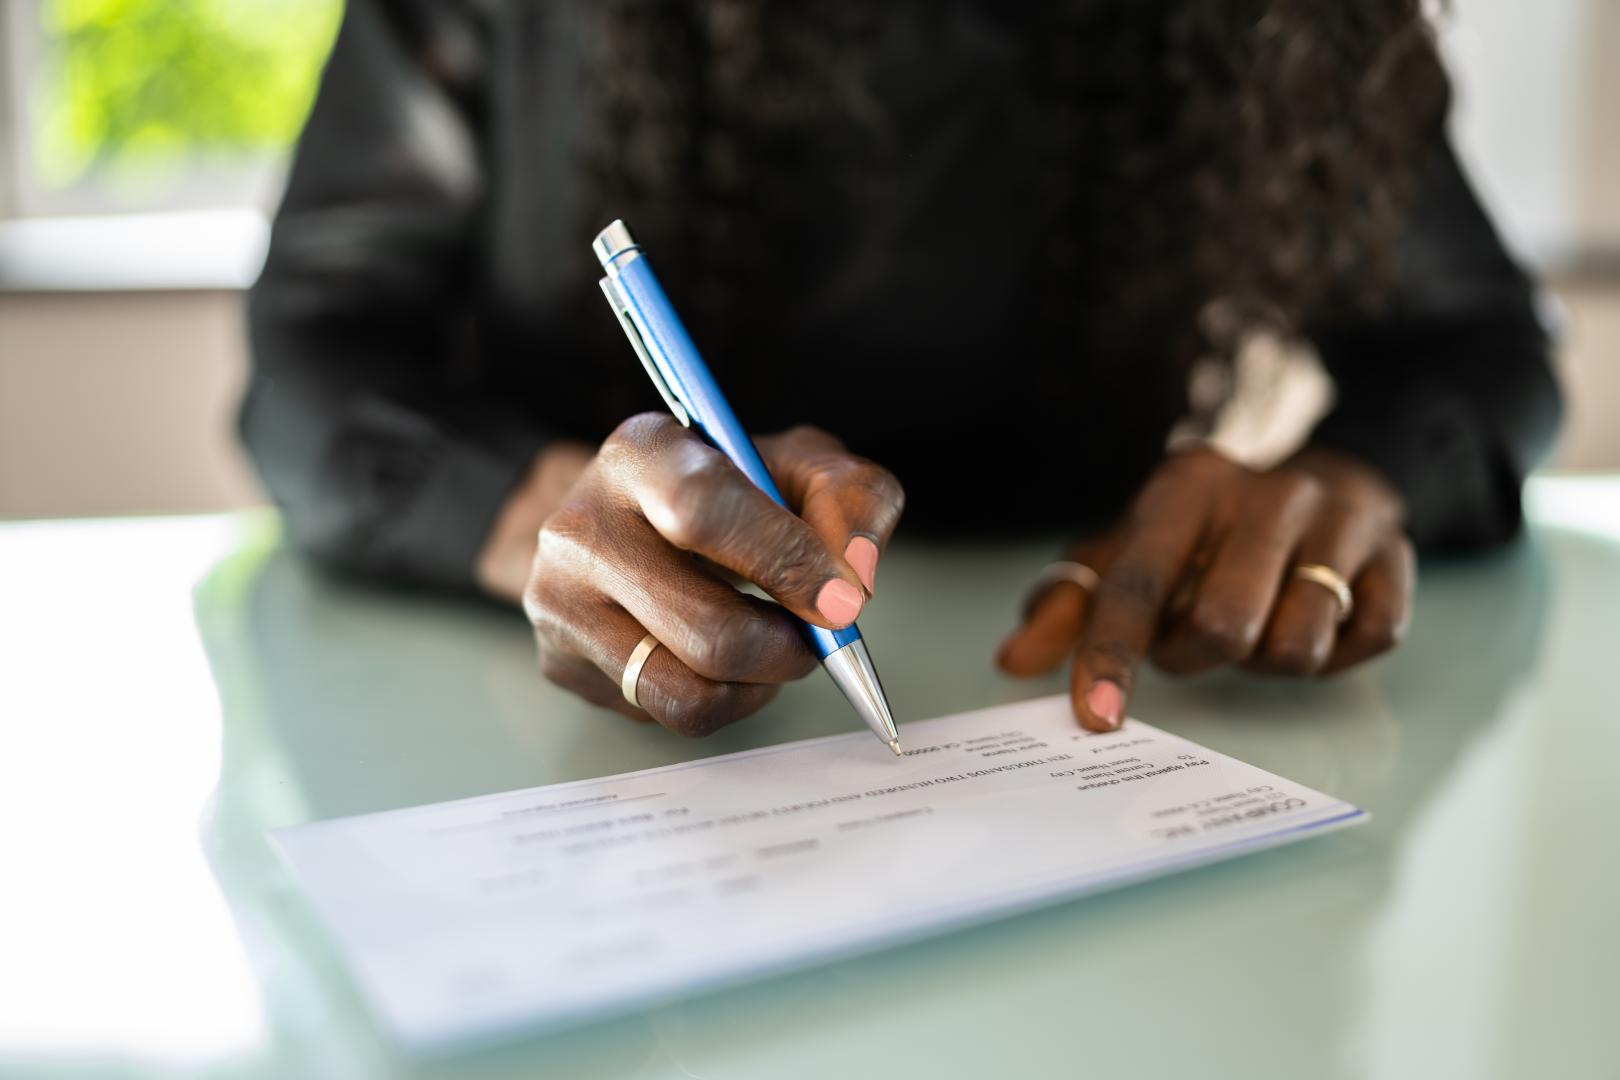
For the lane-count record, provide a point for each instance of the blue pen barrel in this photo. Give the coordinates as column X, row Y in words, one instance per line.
column 687, row 379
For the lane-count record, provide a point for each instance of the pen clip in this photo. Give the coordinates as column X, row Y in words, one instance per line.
column 632, row 331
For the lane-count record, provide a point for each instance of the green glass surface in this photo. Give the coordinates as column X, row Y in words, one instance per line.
column 175, row 686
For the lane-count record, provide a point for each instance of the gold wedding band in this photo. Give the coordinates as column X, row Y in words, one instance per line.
column 1331, row 580
column 633, row 666
column 1068, row 570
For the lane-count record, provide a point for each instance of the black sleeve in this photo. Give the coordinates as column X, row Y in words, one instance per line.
column 364, row 412
column 1451, row 391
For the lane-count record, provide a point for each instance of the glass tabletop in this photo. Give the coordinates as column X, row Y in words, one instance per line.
column 172, row 687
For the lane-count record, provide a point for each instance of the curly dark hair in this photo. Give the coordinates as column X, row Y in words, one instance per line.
column 1205, row 168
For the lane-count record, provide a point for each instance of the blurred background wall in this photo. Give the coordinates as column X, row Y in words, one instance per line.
column 142, row 141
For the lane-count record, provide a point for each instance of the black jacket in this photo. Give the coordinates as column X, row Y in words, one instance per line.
column 427, row 316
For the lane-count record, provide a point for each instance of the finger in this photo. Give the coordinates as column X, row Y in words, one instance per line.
column 670, row 692
column 702, row 503
column 1230, row 606
column 853, row 504
column 712, row 628
column 1054, row 612
column 1163, row 531
column 1383, row 608
column 1304, row 624
column 1048, row 634
column 584, row 679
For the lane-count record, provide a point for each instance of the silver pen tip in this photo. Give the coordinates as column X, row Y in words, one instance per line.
column 851, row 668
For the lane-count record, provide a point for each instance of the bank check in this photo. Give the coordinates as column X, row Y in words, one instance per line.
column 529, row 909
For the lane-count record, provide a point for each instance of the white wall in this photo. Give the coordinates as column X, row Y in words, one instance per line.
column 118, row 403
column 1537, row 119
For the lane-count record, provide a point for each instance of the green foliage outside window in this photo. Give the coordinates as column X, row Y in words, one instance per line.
column 135, row 85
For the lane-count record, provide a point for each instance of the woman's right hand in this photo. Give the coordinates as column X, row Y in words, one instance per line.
column 638, row 547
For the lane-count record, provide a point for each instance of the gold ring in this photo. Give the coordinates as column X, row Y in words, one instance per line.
column 633, row 666
column 1331, row 580
column 1077, row 573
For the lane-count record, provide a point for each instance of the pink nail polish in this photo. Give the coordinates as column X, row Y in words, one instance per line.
column 839, row 602
column 862, row 554
column 1106, row 702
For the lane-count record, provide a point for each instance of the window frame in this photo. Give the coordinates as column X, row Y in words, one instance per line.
column 204, row 228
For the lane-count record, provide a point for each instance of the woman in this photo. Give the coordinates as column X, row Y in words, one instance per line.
column 1013, row 236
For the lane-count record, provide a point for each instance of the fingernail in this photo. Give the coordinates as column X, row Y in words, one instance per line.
column 862, row 555
column 1106, row 702
column 839, row 602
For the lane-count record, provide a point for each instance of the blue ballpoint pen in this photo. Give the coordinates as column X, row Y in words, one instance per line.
column 672, row 361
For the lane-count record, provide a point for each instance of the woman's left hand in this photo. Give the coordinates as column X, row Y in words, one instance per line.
column 1203, row 572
